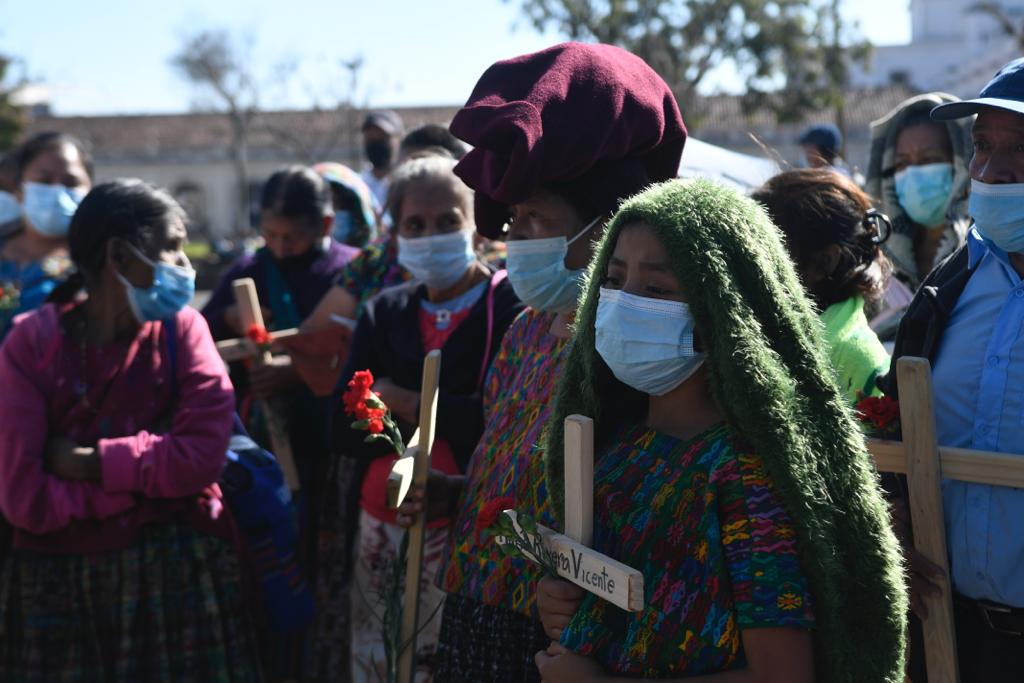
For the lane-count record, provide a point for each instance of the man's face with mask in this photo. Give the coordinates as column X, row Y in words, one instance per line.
column 379, row 147
column 998, row 137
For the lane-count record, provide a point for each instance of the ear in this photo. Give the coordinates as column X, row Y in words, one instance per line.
column 328, row 225
column 117, row 254
column 822, row 264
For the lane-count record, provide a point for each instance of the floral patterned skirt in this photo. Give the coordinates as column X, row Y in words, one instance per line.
column 377, row 552
column 169, row 608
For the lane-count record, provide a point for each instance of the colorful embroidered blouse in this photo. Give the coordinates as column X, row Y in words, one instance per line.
column 700, row 520
column 25, row 288
column 507, row 462
column 376, row 268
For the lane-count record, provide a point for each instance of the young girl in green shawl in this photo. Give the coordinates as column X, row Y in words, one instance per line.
column 729, row 470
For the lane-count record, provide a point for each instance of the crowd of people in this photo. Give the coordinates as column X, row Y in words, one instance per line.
column 720, row 342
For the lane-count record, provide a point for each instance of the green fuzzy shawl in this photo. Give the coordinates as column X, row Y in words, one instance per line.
column 771, row 377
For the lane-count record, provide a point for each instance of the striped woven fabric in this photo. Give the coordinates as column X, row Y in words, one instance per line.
column 700, row 520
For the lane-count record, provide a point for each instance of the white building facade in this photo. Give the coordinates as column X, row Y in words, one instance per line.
column 953, row 48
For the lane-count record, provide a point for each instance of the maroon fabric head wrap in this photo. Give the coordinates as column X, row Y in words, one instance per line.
column 548, row 117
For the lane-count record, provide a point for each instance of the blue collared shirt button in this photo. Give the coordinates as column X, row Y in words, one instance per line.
column 993, row 360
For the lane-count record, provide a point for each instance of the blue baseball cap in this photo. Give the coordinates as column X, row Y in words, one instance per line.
column 824, row 136
column 1004, row 91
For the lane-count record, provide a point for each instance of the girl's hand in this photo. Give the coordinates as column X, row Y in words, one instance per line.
column 444, row 494
column 558, row 665
column 557, row 602
column 66, row 460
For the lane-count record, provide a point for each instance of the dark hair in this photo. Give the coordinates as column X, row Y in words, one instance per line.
column 433, row 136
column 25, row 153
column 127, row 209
column 605, row 185
column 297, row 192
column 816, row 208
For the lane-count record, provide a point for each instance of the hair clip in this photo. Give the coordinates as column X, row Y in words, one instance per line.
column 876, row 219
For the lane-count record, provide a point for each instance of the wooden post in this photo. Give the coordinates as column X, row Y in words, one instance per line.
column 249, row 313
column 579, row 479
column 414, row 552
column 917, row 417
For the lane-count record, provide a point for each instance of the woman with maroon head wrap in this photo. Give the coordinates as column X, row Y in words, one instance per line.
column 560, row 137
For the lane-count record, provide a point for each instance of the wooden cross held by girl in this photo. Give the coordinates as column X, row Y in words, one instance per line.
column 571, row 558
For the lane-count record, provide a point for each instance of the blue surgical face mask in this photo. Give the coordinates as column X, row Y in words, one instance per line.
column 10, row 209
column 49, row 208
column 647, row 343
column 439, row 261
column 923, row 192
column 342, row 226
column 173, row 287
column 536, row 269
column 998, row 213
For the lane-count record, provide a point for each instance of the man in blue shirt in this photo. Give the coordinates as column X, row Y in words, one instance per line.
column 974, row 337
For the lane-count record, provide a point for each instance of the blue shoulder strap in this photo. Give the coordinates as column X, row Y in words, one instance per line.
column 171, row 330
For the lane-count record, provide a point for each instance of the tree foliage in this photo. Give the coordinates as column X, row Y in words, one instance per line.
column 1008, row 25
column 209, row 60
column 219, row 64
column 792, row 55
column 11, row 115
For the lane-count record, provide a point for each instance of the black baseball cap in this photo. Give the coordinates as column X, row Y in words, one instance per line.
column 1004, row 91
column 385, row 119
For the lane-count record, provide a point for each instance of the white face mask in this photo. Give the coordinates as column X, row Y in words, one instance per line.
column 439, row 261
column 536, row 269
column 647, row 343
column 49, row 208
column 10, row 209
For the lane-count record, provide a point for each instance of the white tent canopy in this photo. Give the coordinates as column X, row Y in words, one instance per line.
column 741, row 171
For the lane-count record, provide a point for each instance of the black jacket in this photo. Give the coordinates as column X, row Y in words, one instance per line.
column 387, row 342
column 925, row 320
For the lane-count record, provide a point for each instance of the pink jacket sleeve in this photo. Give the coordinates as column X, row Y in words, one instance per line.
column 191, row 456
column 30, row 498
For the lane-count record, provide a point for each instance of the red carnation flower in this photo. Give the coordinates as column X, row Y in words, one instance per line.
column 882, row 412
column 355, row 397
column 259, row 335
column 490, row 512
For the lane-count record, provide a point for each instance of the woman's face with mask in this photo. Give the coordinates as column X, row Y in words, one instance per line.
column 288, row 237
column 61, row 165
column 434, row 208
column 52, row 185
column 435, row 232
column 924, row 172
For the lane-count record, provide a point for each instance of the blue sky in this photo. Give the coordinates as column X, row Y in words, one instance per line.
column 111, row 56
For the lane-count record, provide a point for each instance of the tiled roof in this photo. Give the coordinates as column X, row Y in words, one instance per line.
column 198, row 137
column 726, row 114
column 207, row 136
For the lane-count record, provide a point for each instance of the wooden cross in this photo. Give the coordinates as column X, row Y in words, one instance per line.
column 918, row 456
column 249, row 313
column 573, row 559
column 416, row 463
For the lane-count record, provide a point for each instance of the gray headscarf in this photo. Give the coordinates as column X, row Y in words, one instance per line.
column 882, row 185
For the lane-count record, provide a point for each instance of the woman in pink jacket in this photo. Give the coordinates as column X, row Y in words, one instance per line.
column 120, row 564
